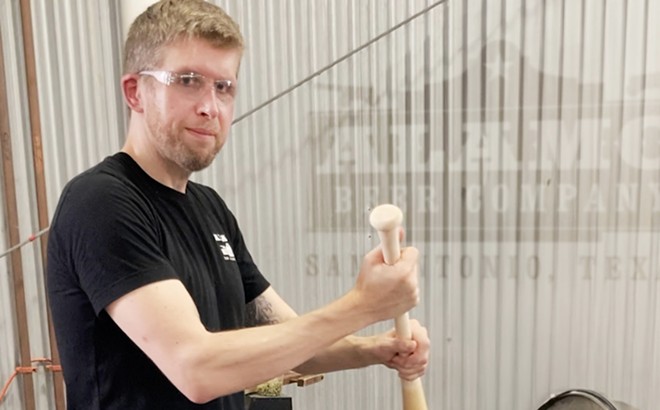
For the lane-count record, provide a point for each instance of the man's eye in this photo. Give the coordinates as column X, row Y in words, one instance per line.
column 224, row 87
column 190, row 81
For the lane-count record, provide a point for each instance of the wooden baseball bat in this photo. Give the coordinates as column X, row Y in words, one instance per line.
column 386, row 219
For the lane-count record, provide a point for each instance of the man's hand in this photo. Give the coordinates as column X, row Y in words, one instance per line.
column 387, row 291
column 408, row 357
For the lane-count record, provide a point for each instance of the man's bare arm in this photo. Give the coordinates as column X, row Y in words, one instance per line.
column 350, row 352
column 163, row 321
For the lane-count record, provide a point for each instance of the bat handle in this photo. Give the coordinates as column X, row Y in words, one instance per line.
column 386, row 219
column 402, row 326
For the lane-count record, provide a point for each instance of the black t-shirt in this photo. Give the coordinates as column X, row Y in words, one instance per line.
column 116, row 229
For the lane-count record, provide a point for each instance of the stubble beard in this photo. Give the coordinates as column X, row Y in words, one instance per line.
column 170, row 146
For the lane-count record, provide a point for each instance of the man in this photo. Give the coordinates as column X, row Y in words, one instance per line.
column 149, row 278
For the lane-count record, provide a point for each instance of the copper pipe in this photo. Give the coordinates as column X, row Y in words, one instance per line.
column 40, row 180
column 11, row 208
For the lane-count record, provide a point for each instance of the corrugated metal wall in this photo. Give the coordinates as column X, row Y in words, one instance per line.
column 77, row 44
column 520, row 138
column 18, row 122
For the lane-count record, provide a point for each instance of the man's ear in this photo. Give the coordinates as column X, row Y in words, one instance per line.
column 132, row 95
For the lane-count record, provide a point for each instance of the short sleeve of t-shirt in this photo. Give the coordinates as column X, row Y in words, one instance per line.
column 112, row 238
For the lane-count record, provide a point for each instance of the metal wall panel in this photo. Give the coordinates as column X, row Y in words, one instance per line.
column 10, row 33
column 78, row 47
column 520, row 138
column 77, row 44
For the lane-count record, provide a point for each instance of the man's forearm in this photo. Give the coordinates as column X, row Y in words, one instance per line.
column 351, row 352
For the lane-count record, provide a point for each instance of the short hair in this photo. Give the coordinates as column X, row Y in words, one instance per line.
column 169, row 21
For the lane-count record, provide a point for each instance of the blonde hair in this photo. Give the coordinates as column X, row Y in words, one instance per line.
column 169, row 21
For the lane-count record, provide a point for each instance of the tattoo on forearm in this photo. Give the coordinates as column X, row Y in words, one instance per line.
column 260, row 312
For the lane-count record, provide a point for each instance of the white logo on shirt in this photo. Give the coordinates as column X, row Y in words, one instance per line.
column 225, row 248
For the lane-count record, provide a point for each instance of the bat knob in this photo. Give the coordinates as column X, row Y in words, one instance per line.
column 386, row 217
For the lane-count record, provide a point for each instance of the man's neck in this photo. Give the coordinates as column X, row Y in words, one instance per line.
column 158, row 168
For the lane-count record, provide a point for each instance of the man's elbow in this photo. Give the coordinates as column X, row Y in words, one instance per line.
column 190, row 385
column 183, row 376
column 199, row 383
column 196, row 394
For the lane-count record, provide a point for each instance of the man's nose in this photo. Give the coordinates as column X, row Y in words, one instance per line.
column 209, row 103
